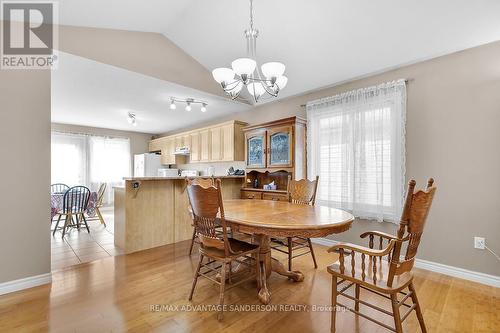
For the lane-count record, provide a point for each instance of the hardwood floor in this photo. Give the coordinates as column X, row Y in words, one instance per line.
column 115, row 294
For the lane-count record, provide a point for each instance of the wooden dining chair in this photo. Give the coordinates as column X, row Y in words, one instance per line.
column 219, row 249
column 365, row 268
column 300, row 192
column 205, row 182
column 75, row 203
column 58, row 188
column 98, row 204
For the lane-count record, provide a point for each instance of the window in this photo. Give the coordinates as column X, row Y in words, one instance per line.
column 79, row 159
column 356, row 145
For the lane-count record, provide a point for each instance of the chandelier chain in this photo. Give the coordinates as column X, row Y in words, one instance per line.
column 251, row 14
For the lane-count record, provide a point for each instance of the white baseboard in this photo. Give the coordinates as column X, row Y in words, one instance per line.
column 490, row 280
column 29, row 282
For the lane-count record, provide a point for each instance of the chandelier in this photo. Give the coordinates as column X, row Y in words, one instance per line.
column 269, row 79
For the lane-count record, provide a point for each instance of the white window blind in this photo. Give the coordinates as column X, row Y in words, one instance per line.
column 356, row 144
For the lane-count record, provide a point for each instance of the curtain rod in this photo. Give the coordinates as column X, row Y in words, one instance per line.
column 58, row 131
column 406, row 80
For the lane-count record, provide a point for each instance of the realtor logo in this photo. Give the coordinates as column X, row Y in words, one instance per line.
column 29, row 34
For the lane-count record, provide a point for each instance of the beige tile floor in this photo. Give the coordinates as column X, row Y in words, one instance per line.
column 80, row 246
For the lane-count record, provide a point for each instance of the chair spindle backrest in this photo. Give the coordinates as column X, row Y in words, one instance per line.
column 76, row 199
column 207, row 207
column 100, row 194
column 302, row 192
column 411, row 227
column 58, row 188
column 205, row 182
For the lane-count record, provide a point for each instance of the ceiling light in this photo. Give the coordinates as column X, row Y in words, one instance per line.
column 259, row 81
column 189, row 102
column 131, row 119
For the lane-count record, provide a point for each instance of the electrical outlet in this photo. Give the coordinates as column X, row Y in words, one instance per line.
column 479, row 243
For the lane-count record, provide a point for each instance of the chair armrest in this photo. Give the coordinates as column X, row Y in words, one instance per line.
column 380, row 234
column 362, row 249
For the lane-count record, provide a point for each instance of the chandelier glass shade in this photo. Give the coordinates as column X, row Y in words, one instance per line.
column 259, row 81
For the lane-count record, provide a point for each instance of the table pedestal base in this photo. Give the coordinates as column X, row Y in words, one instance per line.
column 271, row 265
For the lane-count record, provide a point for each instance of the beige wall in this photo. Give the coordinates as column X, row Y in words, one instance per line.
column 453, row 135
column 138, row 141
column 25, row 170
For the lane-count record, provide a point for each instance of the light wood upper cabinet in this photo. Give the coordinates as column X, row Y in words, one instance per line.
column 186, row 141
column 228, row 142
column 178, row 142
column 155, row 145
column 167, row 151
column 205, row 146
column 222, row 142
column 195, row 147
column 216, row 144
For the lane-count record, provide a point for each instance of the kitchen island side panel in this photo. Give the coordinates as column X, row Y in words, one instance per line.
column 149, row 214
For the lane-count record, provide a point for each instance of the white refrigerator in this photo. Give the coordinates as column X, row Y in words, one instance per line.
column 146, row 165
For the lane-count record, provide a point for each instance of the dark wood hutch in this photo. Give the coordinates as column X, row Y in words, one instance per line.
column 273, row 151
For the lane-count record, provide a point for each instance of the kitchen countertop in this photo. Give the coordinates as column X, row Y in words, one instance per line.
column 174, row 178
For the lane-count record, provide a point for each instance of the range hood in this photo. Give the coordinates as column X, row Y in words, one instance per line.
column 181, row 151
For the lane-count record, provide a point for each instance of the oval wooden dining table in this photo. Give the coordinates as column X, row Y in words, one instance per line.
column 266, row 218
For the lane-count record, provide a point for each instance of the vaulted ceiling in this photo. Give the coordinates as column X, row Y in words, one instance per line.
column 179, row 42
column 322, row 42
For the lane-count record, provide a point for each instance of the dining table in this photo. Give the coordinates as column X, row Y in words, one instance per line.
column 267, row 218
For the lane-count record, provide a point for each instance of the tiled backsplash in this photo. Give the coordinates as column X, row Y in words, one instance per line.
column 220, row 167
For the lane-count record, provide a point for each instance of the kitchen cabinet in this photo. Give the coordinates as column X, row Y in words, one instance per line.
column 167, row 151
column 221, row 142
column 155, row 145
column 205, row 146
column 229, row 142
column 186, row 141
column 178, row 142
column 216, row 144
column 195, row 147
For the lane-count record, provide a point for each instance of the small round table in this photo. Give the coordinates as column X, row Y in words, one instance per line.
column 267, row 218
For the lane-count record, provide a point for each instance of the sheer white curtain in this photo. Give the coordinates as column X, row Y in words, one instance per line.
column 69, row 156
column 356, row 144
column 109, row 162
column 81, row 159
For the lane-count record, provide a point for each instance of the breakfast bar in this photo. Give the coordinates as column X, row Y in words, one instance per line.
column 152, row 211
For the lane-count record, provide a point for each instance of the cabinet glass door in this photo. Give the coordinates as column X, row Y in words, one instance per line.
column 280, row 148
column 255, row 150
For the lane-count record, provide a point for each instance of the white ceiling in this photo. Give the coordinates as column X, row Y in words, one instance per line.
column 89, row 93
column 322, row 42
